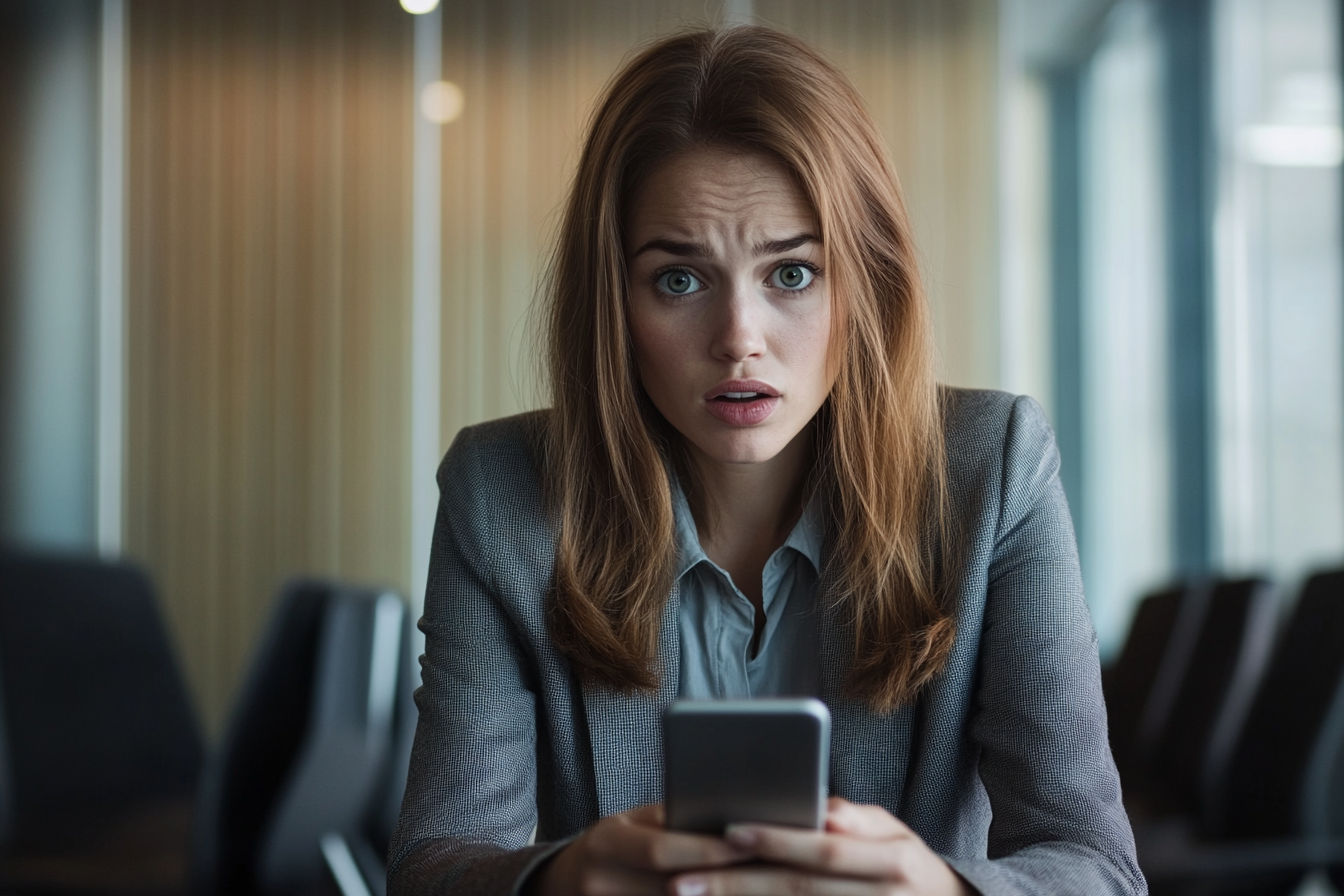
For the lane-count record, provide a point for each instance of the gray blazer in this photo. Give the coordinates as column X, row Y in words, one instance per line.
column 1002, row 765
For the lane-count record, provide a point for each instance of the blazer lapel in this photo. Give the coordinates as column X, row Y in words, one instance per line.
column 870, row 754
column 626, row 730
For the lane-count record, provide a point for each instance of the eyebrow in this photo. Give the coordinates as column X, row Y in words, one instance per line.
column 674, row 247
column 776, row 247
column 691, row 249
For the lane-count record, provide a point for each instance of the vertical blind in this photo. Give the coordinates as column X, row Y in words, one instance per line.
column 267, row 304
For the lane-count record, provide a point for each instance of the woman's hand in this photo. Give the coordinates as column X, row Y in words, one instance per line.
column 631, row 854
column 863, row 850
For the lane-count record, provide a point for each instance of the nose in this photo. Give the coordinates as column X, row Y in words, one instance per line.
column 739, row 326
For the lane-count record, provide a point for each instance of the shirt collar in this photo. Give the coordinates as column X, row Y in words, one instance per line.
column 806, row 538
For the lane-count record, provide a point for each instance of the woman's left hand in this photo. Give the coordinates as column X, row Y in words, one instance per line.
column 863, row 850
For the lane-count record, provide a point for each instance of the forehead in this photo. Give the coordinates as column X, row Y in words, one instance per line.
column 713, row 193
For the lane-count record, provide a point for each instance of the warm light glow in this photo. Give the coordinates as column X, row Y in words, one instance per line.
column 419, row 7
column 441, row 101
column 1294, row 145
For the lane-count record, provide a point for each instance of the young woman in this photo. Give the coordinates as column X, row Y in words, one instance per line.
column 749, row 484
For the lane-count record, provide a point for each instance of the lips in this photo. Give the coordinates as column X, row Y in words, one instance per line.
column 742, row 402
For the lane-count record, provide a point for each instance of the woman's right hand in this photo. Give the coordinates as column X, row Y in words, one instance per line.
column 630, row 854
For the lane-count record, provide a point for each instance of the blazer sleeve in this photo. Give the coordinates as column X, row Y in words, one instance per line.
column 470, row 808
column 1058, row 824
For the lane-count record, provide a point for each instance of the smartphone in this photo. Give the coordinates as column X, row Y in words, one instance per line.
column 728, row 761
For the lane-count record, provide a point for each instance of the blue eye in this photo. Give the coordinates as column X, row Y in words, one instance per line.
column 678, row 282
column 792, row 276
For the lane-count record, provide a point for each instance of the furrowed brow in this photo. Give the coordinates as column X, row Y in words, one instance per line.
column 778, row 247
column 674, row 247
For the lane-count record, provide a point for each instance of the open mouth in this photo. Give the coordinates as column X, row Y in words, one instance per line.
column 741, row 397
column 742, row 402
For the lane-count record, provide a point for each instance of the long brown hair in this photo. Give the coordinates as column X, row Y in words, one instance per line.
column 880, row 442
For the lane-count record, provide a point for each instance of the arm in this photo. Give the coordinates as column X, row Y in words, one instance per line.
column 1058, row 822
column 470, row 806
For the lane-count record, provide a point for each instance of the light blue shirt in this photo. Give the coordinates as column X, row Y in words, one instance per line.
column 717, row 620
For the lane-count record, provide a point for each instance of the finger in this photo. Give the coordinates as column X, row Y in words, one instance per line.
column 622, row 841
column 767, row 881
column 869, row 822
column 828, row 853
column 651, row 815
column 610, row 881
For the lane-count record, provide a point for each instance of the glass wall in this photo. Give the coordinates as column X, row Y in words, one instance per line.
column 1209, row 332
column 1125, row 529
column 1277, row 309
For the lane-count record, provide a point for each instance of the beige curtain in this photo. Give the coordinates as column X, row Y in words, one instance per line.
column 268, row 309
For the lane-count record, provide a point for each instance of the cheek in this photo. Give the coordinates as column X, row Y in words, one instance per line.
column 656, row 349
column 807, row 344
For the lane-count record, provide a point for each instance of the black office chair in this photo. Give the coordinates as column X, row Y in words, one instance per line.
column 309, row 744
column 1224, row 669
column 100, row 754
column 357, row 859
column 1140, row 686
column 1276, row 779
column 1266, row 816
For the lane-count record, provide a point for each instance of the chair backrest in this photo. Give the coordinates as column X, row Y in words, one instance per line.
column 1225, row 667
column 1156, row 649
column 368, row 853
column 1268, row 781
column 309, row 742
column 96, row 717
column 1287, row 747
column 387, row 809
column 334, row 782
column 269, row 722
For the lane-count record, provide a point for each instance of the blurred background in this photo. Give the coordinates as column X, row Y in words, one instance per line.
column 261, row 260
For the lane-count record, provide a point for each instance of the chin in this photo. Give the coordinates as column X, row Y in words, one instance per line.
column 742, row 447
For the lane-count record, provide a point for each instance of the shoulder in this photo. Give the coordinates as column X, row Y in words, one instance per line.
column 987, row 427
column 983, row 421
column 1000, row 449
column 491, row 481
column 509, row 445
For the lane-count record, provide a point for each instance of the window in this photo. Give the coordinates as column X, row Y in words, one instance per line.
column 1198, row 295
column 1125, row 525
column 1277, row 323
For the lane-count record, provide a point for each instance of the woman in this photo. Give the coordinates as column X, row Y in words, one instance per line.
column 750, row 484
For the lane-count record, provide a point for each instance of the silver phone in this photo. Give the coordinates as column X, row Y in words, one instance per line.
column 728, row 761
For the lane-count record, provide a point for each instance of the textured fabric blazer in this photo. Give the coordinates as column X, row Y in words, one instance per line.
column 1002, row 765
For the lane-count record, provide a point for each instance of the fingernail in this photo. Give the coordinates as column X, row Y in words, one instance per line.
column 743, row 837
column 692, row 886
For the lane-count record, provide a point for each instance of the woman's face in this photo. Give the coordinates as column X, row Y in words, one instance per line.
column 728, row 305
